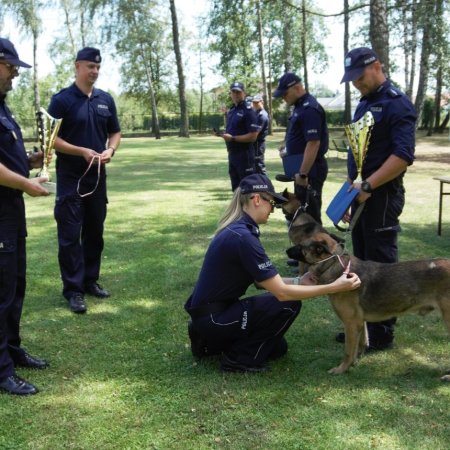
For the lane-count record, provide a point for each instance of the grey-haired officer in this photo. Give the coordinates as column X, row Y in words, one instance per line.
column 90, row 132
column 240, row 136
column 390, row 152
column 14, row 181
column 263, row 122
column 306, row 135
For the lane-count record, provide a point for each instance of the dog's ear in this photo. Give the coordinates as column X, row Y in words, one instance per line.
column 337, row 238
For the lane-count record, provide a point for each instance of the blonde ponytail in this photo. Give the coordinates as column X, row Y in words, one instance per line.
column 234, row 210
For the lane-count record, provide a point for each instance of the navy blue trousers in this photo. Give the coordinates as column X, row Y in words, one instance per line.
column 80, row 224
column 260, row 164
column 241, row 163
column 250, row 329
column 12, row 279
column 374, row 238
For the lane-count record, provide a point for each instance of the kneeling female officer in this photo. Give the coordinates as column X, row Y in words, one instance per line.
column 249, row 331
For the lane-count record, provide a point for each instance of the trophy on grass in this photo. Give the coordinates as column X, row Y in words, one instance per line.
column 358, row 135
column 48, row 128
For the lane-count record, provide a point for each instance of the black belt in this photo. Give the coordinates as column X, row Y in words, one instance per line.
column 209, row 308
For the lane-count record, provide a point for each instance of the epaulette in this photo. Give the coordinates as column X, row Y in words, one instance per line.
column 392, row 92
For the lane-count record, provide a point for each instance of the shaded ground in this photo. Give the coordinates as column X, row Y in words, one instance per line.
column 435, row 148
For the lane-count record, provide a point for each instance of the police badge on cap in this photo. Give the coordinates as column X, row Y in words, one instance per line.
column 89, row 54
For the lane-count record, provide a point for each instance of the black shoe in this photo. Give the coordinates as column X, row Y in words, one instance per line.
column 77, row 304
column 374, row 345
column 26, row 360
column 228, row 365
column 279, row 350
column 97, row 291
column 198, row 344
column 292, row 263
column 17, row 386
column 378, row 347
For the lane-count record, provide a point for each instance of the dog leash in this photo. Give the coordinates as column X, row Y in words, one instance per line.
column 94, row 158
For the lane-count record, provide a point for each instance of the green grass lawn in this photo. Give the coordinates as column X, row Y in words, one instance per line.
column 122, row 376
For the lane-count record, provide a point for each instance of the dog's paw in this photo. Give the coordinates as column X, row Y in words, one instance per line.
column 337, row 370
column 446, row 378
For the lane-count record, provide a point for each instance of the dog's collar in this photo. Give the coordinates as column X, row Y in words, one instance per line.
column 338, row 256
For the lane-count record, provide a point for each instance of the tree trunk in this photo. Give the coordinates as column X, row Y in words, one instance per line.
column 303, row 44
column 37, row 97
column 287, row 42
column 413, row 49
column 184, row 123
column 379, row 32
column 202, row 76
column 440, row 41
column 263, row 63
column 427, row 36
column 348, row 99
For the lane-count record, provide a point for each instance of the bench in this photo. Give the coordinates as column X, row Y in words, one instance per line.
column 442, row 180
column 339, row 147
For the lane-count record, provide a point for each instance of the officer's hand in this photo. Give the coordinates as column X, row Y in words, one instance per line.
column 227, row 137
column 34, row 188
column 89, row 154
column 35, row 159
column 301, row 181
column 362, row 196
column 106, row 156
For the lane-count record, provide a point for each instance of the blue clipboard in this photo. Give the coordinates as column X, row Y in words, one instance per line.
column 292, row 164
column 341, row 202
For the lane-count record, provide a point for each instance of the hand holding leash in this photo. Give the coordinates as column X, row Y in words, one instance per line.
column 347, row 282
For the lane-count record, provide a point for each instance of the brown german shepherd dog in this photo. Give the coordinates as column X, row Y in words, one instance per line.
column 387, row 289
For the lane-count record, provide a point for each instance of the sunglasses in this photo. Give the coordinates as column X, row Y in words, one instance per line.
column 273, row 203
column 11, row 67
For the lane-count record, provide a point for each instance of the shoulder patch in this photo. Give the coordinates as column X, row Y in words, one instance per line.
column 393, row 92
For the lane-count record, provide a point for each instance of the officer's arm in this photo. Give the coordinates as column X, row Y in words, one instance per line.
column 391, row 168
column 13, row 180
column 243, row 138
column 289, row 292
column 65, row 147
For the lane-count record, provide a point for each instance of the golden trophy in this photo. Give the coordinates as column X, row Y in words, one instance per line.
column 358, row 135
column 48, row 128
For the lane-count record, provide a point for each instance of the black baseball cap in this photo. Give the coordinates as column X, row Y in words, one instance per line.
column 356, row 61
column 288, row 80
column 89, row 54
column 237, row 86
column 8, row 53
column 260, row 183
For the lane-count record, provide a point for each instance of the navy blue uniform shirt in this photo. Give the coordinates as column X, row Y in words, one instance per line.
column 307, row 123
column 12, row 148
column 87, row 122
column 234, row 260
column 241, row 119
column 393, row 132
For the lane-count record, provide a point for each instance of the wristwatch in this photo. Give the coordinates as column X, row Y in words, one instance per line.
column 303, row 176
column 366, row 187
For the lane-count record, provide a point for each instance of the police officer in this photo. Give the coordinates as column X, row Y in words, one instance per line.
column 263, row 122
column 240, row 136
column 390, row 152
column 14, row 171
column 247, row 331
column 87, row 140
column 306, row 135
